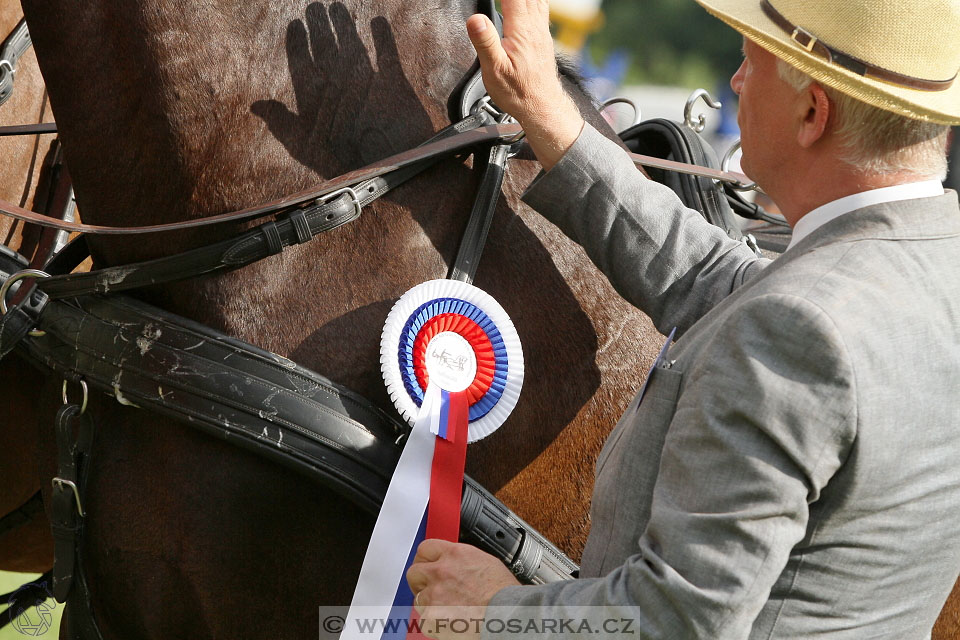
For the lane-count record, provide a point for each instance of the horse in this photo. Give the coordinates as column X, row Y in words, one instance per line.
column 171, row 111
column 26, row 178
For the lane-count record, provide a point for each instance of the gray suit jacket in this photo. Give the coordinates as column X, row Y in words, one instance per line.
column 793, row 469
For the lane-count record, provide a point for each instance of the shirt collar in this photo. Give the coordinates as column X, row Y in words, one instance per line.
column 825, row 213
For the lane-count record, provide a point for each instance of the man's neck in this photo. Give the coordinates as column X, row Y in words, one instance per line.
column 822, row 183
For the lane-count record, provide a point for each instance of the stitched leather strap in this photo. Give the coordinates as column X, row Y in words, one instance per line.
column 814, row 45
column 481, row 216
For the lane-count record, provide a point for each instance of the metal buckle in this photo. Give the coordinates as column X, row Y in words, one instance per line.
column 500, row 117
column 357, row 207
column 60, row 483
column 9, row 66
column 811, row 39
column 5, row 289
column 485, row 105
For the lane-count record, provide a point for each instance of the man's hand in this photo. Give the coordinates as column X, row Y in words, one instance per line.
column 454, row 581
column 520, row 73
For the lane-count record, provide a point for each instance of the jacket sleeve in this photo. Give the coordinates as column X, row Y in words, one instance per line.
column 660, row 256
column 736, row 477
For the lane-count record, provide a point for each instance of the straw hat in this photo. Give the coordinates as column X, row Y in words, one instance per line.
column 897, row 55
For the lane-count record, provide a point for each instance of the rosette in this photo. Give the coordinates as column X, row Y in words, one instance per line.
column 416, row 343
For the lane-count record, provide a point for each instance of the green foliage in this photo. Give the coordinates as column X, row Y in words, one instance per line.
column 672, row 42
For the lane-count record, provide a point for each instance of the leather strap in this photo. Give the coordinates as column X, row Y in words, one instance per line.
column 442, row 148
column 814, row 45
column 13, row 48
column 28, row 129
column 74, row 432
column 19, row 320
column 481, row 216
column 166, row 364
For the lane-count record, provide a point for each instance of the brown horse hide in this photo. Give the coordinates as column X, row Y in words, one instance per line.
column 23, row 181
column 170, row 110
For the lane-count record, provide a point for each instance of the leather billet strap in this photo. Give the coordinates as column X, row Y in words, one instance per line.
column 74, row 433
column 814, row 45
column 481, row 216
column 297, row 226
column 13, row 48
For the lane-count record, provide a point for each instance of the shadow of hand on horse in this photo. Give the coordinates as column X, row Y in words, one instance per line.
column 171, row 113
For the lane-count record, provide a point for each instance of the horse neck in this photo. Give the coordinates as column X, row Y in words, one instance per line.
column 173, row 110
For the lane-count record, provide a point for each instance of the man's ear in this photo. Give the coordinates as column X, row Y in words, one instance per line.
column 815, row 109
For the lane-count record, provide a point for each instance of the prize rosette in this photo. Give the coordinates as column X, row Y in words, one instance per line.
column 458, row 336
column 452, row 362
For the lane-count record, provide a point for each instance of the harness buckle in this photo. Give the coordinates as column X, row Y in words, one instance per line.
column 20, row 275
column 354, row 199
column 6, row 64
column 60, row 483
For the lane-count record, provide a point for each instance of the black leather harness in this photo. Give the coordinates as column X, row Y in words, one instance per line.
column 160, row 362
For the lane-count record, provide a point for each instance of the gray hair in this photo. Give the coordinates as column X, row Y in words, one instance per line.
column 879, row 141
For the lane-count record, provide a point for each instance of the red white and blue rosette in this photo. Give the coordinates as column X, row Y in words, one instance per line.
column 453, row 365
column 488, row 347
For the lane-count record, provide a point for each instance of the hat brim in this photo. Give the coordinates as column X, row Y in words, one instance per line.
column 748, row 17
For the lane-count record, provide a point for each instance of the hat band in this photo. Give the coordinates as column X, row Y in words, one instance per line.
column 813, row 45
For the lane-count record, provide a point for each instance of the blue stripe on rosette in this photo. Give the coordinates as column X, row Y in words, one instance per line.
column 433, row 308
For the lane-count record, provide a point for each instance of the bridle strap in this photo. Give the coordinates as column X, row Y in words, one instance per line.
column 481, row 216
column 295, row 226
column 446, row 147
column 28, row 129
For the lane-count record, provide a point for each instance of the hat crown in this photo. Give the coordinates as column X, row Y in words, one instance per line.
column 919, row 39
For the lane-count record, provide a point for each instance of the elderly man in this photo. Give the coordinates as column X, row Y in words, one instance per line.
column 790, row 469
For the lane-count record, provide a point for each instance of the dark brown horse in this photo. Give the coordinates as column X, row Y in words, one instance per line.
column 26, row 544
column 170, row 111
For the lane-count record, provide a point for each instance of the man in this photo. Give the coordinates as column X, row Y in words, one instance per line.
column 790, row 470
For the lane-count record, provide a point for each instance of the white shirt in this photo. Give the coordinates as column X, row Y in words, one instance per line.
column 825, row 213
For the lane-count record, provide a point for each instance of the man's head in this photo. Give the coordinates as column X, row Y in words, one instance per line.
column 875, row 140
column 861, row 88
column 899, row 56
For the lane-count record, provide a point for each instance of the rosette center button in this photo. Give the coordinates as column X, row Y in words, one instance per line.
column 450, row 361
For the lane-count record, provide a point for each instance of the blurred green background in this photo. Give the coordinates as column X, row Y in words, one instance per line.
column 44, row 623
column 669, row 42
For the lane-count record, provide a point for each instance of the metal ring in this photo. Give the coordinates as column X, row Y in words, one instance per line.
column 688, row 109
column 83, row 404
column 5, row 289
column 725, row 166
column 627, row 101
column 9, row 65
